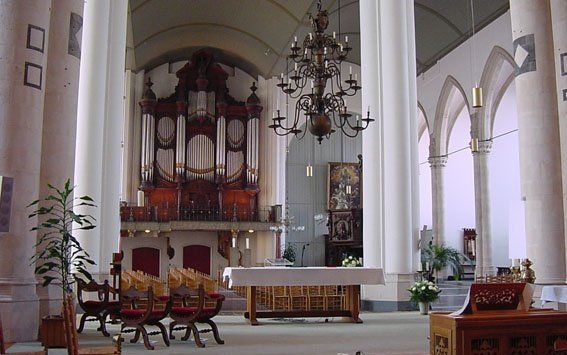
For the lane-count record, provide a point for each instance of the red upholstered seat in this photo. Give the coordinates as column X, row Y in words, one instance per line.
column 163, row 298
column 188, row 311
column 215, row 295
column 139, row 313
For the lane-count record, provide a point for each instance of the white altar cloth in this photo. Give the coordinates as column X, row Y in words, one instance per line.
column 554, row 294
column 303, row 276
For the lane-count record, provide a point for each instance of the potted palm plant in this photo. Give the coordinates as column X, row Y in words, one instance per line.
column 437, row 257
column 58, row 253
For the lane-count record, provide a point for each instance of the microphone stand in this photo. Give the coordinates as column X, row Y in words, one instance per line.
column 302, row 252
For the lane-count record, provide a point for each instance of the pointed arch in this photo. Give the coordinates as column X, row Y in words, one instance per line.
column 452, row 100
column 497, row 75
column 422, row 121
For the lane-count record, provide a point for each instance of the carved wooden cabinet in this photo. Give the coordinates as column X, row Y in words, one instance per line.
column 497, row 333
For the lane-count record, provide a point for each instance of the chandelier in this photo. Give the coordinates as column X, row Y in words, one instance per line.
column 317, row 66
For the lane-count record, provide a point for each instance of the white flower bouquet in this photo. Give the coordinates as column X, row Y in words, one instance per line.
column 424, row 291
column 351, row 261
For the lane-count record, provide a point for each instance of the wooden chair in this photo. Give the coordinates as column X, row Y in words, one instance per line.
column 4, row 346
column 334, row 297
column 297, row 297
column 194, row 310
column 134, row 316
column 69, row 321
column 99, row 308
column 280, row 298
column 316, row 300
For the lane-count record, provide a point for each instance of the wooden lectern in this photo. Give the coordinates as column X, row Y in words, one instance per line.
column 496, row 320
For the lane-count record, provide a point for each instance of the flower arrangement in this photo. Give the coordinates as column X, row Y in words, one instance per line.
column 424, row 291
column 351, row 261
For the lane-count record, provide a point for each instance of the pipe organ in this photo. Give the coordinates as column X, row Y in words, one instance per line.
column 200, row 145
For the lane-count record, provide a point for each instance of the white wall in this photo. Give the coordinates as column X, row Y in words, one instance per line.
column 425, row 203
column 504, row 175
column 459, row 184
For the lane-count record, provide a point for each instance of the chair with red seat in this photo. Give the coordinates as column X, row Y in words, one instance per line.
column 193, row 310
column 99, row 308
column 139, row 309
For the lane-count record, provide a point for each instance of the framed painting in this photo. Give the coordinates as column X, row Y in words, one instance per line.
column 344, row 186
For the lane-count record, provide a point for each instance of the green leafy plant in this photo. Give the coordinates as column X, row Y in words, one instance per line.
column 58, row 252
column 289, row 253
column 424, row 291
column 441, row 256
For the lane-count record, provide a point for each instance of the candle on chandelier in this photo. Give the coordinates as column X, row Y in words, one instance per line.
column 334, row 35
column 346, row 39
column 341, row 45
column 310, row 36
column 295, row 65
column 355, row 77
column 312, row 85
column 326, row 64
column 325, row 51
column 357, row 120
column 350, row 70
column 295, row 39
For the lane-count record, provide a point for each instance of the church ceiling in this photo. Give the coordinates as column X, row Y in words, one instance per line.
column 255, row 34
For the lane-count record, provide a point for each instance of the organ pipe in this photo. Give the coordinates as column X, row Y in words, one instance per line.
column 148, row 104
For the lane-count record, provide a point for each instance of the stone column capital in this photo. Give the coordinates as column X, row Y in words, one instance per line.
column 437, row 162
column 484, row 147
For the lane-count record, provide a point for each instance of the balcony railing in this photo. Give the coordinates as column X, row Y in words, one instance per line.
column 168, row 214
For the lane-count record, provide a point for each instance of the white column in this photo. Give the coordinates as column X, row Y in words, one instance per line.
column 113, row 131
column 99, row 118
column 60, row 114
column 21, row 120
column 372, row 143
column 388, row 81
column 559, row 25
column 437, row 165
column 482, row 209
column 540, row 158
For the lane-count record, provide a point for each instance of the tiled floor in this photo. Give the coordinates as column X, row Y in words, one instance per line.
column 382, row 333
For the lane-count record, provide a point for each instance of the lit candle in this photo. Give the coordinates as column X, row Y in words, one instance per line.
column 233, row 242
column 247, row 243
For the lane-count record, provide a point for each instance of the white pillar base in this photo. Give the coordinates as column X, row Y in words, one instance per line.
column 392, row 297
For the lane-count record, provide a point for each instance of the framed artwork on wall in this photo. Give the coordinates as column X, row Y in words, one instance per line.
column 344, row 186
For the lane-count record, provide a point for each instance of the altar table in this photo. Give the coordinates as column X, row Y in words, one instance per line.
column 554, row 294
column 350, row 277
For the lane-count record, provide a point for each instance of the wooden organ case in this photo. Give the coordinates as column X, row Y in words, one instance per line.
column 199, row 158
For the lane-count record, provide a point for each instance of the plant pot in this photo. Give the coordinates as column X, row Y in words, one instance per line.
column 52, row 332
column 423, row 308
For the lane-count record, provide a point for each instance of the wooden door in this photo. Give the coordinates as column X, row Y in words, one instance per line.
column 146, row 260
column 197, row 257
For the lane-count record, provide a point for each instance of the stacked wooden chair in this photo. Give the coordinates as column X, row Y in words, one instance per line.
column 310, row 298
column 190, row 307
column 142, row 308
column 69, row 321
column 99, row 308
column 4, row 346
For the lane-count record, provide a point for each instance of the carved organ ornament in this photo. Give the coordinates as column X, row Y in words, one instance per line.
column 200, row 145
